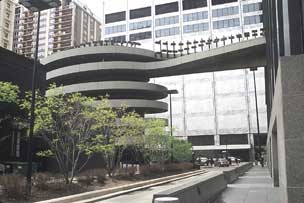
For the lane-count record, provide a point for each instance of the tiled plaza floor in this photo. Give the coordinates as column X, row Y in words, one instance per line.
column 254, row 187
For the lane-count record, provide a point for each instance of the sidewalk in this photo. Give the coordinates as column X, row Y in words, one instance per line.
column 254, row 187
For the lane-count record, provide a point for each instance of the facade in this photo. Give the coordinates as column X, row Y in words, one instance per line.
column 285, row 95
column 215, row 111
column 60, row 28
column 7, row 8
column 18, row 70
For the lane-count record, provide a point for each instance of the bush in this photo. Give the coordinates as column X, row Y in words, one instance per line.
column 41, row 180
column 87, row 177
column 13, row 186
column 172, row 167
column 178, row 167
column 61, row 187
column 148, row 170
column 126, row 173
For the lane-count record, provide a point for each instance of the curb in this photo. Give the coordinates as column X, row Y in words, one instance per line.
column 92, row 196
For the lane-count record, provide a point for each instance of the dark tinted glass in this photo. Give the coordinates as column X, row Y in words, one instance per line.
column 191, row 4
column 166, row 8
column 139, row 13
column 141, row 36
column 115, row 17
column 217, row 2
column 201, row 140
column 118, row 38
column 233, row 139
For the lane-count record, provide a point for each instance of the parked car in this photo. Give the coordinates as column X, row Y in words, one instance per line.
column 222, row 162
column 201, row 161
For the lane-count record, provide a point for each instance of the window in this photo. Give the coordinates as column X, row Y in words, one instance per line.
column 141, row 36
column 191, row 4
column 166, row 21
column 218, row 2
column 225, row 11
column 118, row 38
column 234, row 22
column 252, row 7
column 7, row 25
column 166, row 8
column 140, row 25
column 201, row 140
column 167, row 32
column 115, row 29
column 115, row 17
column 139, row 13
column 196, row 27
column 248, row 20
column 195, row 16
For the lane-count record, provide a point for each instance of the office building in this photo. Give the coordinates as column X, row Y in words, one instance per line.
column 215, row 111
column 60, row 28
column 6, row 23
column 285, row 94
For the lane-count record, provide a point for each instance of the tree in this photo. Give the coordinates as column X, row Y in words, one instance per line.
column 182, row 150
column 63, row 121
column 8, row 92
column 8, row 103
column 156, row 141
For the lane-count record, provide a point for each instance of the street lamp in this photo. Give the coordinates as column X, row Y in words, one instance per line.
column 34, row 6
column 256, row 109
column 170, row 92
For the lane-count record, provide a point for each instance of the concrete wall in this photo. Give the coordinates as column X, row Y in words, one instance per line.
column 205, row 188
column 286, row 130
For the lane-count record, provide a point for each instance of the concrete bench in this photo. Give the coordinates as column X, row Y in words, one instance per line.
column 202, row 190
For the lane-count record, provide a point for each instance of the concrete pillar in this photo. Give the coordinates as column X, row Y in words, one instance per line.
column 166, row 199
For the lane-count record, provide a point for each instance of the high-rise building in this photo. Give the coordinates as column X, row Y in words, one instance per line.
column 60, row 28
column 6, row 23
column 215, row 111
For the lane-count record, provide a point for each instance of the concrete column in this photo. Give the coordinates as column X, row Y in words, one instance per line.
column 166, row 199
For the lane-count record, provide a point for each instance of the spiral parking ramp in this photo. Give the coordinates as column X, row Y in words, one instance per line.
column 100, row 71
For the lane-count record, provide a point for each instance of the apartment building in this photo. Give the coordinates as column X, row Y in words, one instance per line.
column 215, row 111
column 60, row 28
column 7, row 8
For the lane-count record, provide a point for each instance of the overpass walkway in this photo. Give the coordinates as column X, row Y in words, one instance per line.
column 254, row 187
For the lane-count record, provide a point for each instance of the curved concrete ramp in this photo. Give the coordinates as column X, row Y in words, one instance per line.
column 245, row 54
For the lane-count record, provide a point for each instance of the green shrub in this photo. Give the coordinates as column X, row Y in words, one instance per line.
column 13, row 186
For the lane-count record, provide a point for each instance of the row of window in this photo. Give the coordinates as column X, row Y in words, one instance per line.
column 199, row 27
column 195, row 16
column 115, row 29
column 225, row 11
column 196, row 27
column 234, row 22
column 167, row 32
column 140, row 25
column 161, row 9
column 166, row 21
column 252, row 7
column 141, row 36
column 249, row 20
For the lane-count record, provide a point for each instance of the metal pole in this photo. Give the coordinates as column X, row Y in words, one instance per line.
column 32, row 117
column 171, row 133
column 171, row 116
column 257, row 113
